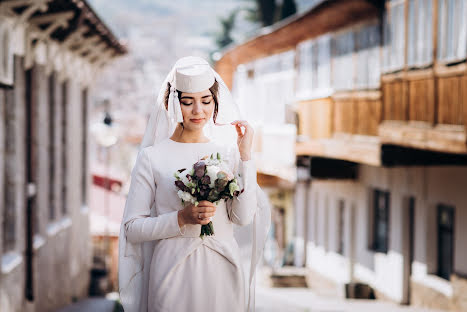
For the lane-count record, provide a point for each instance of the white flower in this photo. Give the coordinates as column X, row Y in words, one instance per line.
column 185, row 196
column 183, row 177
column 212, row 171
column 233, row 187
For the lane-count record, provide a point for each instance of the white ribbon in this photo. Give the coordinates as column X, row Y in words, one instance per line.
column 175, row 112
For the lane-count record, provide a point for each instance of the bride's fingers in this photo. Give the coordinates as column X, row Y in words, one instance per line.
column 204, row 215
column 206, row 203
column 206, row 209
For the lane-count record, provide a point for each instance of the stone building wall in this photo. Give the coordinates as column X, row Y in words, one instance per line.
column 62, row 251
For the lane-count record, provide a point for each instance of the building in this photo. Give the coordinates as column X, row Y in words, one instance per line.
column 379, row 91
column 50, row 53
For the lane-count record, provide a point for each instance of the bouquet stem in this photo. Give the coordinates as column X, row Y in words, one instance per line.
column 207, row 230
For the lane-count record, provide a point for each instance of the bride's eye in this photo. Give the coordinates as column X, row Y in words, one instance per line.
column 186, row 104
column 207, row 102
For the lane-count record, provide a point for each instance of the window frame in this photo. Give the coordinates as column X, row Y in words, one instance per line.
column 375, row 244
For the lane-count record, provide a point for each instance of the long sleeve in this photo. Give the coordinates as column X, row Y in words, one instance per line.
column 244, row 206
column 141, row 226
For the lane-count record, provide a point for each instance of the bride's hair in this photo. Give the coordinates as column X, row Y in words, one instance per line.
column 214, row 91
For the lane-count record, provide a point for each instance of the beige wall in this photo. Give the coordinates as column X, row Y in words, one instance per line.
column 386, row 272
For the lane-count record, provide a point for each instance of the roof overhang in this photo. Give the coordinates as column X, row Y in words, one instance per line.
column 73, row 23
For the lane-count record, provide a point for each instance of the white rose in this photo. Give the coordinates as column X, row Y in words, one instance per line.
column 185, row 196
column 183, row 178
column 212, row 171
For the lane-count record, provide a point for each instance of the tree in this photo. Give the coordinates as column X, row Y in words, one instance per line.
column 224, row 38
column 288, row 8
column 269, row 12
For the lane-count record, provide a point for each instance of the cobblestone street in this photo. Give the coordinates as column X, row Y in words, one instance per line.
column 304, row 300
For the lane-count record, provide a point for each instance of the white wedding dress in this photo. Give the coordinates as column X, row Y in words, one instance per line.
column 188, row 273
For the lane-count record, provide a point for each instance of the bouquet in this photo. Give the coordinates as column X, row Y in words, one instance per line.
column 209, row 179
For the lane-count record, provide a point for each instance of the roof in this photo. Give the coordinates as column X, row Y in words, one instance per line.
column 78, row 15
column 326, row 16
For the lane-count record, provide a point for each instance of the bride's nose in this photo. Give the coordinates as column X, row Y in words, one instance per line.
column 197, row 109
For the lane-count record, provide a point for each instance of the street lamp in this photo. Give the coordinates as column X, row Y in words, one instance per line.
column 106, row 135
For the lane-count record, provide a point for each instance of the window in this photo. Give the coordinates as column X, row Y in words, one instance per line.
column 32, row 122
column 445, row 241
column 52, row 194
column 9, row 212
column 6, row 53
column 380, row 221
column 341, row 227
column 314, row 68
column 368, row 57
column 343, row 66
column 322, row 66
column 394, row 36
column 304, row 68
column 64, row 119
column 452, row 30
column 420, row 33
column 84, row 177
column 274, row 81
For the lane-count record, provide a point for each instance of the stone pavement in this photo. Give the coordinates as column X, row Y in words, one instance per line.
column 304, row 300
column 93, row 304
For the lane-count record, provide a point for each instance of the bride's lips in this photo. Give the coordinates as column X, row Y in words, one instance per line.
column 197, row 120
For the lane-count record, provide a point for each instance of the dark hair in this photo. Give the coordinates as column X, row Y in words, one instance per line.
column 214, row 91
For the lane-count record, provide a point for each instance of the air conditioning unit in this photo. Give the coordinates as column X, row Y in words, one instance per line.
column 6, row 53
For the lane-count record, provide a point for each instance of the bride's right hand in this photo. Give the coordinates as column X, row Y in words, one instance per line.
column 191, row 213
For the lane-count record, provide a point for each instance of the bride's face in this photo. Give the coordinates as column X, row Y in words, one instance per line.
column 197, row 109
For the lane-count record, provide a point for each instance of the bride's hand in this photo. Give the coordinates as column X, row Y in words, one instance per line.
column 244, row 139
column 191, row 213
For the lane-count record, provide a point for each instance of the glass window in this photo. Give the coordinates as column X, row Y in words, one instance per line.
column 394, row 36
column 452, row 30
column 274, row 81
column 52, row 145
column 445, row 241
column 341, row 227
column 368, row 57
column 304, row 75
column 380, row 221
column 420, row 32
column 323, row 64
column 9, row 190
column 343, row 67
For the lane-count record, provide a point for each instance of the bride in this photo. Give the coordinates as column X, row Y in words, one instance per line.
column 164, row 265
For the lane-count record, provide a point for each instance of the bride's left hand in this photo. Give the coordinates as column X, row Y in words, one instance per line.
column 244, row 138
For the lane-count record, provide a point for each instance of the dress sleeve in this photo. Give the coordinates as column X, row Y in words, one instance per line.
column 243, row 206
column 141, row 226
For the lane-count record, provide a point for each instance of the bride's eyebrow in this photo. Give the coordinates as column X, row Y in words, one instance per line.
column 192, row 98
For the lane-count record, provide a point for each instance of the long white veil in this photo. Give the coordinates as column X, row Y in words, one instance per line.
column 135, row 259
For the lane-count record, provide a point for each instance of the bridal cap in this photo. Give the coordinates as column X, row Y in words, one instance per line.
column 194, row 78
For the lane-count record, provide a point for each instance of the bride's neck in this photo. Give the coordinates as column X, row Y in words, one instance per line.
column 186, row 136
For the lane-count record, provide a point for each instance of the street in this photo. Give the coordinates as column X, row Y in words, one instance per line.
column 304, row 300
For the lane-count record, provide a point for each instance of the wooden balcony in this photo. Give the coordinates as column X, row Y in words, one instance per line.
column 426, row 109
column 343, row 127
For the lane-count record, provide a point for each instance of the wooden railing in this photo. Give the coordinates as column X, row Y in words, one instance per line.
column 357, row 113
column 452, row 100
column 315, row 118
column 352, row 113
column 434, row 100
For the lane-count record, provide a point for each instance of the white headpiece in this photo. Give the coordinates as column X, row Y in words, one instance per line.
column 189, row 74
